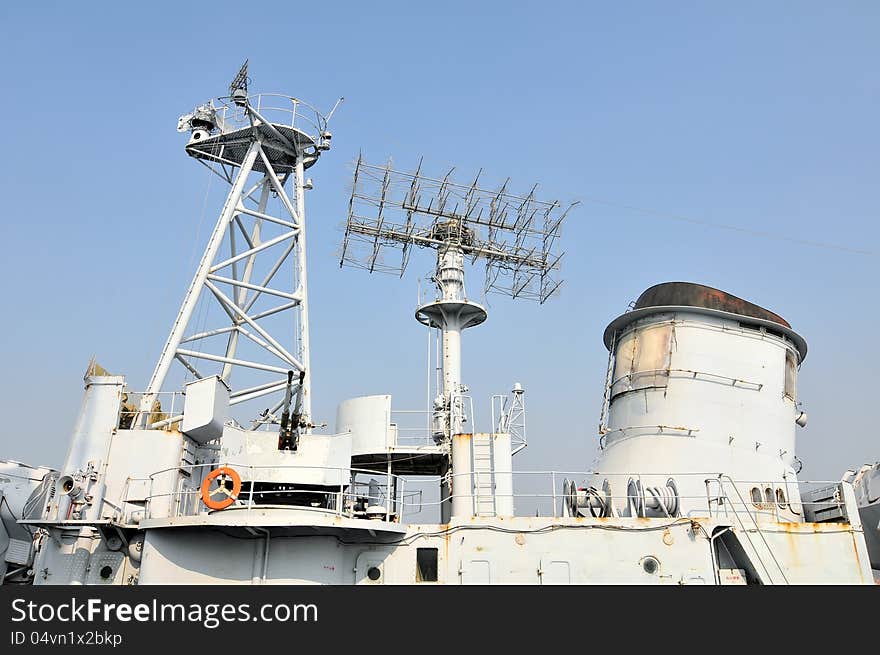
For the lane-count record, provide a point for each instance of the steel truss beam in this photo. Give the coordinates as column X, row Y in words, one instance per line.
column 228, row 281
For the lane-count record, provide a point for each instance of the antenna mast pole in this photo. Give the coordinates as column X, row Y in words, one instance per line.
column 451, row 312
column 302, row 276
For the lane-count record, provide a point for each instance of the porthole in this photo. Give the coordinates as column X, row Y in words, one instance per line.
column 373, row 573
column 650, row 565
column 780, row 498
column 756, row 496
column 768, row 496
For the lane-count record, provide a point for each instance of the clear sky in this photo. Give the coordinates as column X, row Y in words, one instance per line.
column 762, row 116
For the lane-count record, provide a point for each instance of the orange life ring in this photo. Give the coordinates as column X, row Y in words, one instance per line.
column 222, row 475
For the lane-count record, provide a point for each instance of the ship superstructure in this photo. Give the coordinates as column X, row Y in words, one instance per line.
column 696, row 482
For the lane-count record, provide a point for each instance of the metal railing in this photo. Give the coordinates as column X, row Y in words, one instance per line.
column 719, row 495
column 381, row 496
column 276, row 108
column 167, row 405
column 754, row 522
column 412, row 427
column 687, row 374
column 361, row 493
column 628, row 431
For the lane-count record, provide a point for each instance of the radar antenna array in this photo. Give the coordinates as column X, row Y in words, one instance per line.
column 515, row 236
column 240, row 81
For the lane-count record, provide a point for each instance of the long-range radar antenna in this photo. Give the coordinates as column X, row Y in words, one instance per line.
column 516, row 236
column 240, row 81
column 261, row 146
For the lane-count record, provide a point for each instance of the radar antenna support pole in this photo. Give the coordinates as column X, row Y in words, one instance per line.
column 450, row 278
column 305, row 397
column 451, row 312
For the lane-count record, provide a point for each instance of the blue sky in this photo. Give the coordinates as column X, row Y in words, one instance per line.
column 750, row 114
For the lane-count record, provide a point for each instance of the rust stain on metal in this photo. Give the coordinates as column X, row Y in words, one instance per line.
column 807, row 527
column 698, row 295
column 855, row 547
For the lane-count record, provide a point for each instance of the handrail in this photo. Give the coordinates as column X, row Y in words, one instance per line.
column 665, row 430
column 691, row 374
column 412, row 427
column 721, row 476
column 236, row 465
column 294, row 111
column 164, row 414
column 391, row 492
column 397, row 498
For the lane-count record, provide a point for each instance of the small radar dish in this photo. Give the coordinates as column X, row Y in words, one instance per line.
column 238, row 88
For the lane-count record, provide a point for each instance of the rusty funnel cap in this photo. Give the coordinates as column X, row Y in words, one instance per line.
column 672, row 296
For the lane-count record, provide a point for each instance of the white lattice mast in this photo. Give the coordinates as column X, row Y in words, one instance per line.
column 515, row 236
column 260, row 145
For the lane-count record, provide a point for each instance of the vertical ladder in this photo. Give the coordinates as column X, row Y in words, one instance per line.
column 483, row 475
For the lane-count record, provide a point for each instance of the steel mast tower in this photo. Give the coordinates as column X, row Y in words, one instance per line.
column 261, row 146
column 513, row 235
